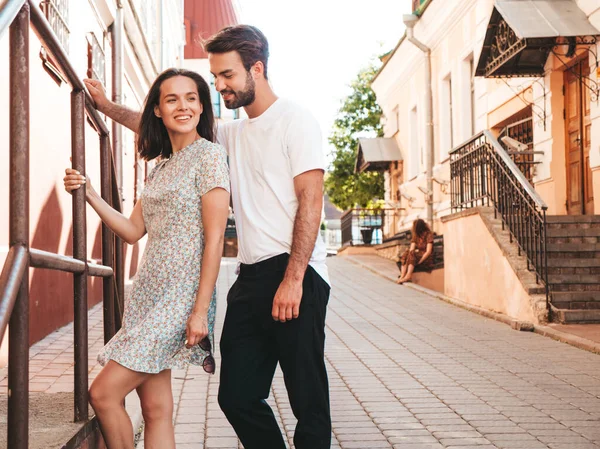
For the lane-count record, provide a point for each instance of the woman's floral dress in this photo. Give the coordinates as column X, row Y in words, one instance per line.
column 164, row 289
column 413, row 257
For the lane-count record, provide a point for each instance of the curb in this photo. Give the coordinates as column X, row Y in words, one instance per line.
column 545, row 331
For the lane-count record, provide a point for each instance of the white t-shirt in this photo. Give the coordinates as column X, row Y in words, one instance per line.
column 265, row 154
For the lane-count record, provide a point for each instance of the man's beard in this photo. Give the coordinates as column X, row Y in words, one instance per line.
column 241, row 98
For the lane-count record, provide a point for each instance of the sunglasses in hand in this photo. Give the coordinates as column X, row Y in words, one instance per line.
column 209, row 361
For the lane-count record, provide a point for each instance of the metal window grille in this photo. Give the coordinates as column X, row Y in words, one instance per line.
column 96, row 59
column 57, row 13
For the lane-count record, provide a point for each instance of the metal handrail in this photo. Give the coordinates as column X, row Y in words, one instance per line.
column 482, row 173
column 14, row 279
column 8, row 12
column 509, row 163
column 363, row 219
column 10, row 281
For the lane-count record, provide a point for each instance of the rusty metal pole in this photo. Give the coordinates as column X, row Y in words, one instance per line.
column 117, row 90
column 107, row 242
column 80, row 305
column 117, row 31
column 119, row 270
column 18, row 360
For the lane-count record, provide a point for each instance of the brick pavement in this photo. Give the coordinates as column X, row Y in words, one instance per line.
column 409, row 371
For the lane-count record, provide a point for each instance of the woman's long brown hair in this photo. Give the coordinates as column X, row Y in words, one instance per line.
column 420, row 227
column 153, row 138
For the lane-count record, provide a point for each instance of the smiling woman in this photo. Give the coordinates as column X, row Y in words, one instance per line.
column 175, row 92
column 170, row 310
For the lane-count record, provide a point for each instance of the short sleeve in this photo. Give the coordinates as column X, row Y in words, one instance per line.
column 430, row 237
column 213, row 171
column 304, row 143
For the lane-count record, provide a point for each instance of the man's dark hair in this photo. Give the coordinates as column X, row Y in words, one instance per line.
column 153, row 138
column 250, row 43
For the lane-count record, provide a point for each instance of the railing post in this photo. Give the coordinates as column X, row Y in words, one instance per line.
column 119, row 270
column 545, row 269
column 80, row 306
column 108, row 254
column 18, row 361
column 117, row 91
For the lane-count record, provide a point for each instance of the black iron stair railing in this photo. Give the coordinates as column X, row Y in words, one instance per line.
column 483, row 174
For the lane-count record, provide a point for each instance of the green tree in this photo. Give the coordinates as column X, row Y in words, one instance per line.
column 359, row 116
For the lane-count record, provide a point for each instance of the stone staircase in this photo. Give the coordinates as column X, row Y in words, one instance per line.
column 574, row 267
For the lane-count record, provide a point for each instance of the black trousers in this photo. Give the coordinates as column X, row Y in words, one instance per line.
column 251, row 345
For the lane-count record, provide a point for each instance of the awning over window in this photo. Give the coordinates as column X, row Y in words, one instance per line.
column 521, row 34
column 376, row 154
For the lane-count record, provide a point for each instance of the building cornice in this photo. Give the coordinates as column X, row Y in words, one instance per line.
column 434, row 39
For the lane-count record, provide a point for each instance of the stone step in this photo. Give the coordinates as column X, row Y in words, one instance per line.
column 574, row 287
column 576, row 296
column 574, row 263
column 573, row 247
column 576, row 316
column 589, row 305
column 574, row 279
column 573, row 232
column 571, row 271
column 574, row 239
column 537, row 290
column 561, row 219
column 573, row 255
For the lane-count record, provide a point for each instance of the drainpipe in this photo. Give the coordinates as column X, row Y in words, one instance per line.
column 117, row 91
column 410, row 20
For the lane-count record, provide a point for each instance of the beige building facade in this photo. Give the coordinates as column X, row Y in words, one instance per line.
column 518, row 81
column 464, row 104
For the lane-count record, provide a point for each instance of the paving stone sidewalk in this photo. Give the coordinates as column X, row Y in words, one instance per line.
column 407, row 371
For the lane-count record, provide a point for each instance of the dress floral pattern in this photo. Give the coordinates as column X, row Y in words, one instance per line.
column 164, row 289
column 413, row 257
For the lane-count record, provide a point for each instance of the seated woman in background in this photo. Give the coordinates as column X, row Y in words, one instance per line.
column 419, row 254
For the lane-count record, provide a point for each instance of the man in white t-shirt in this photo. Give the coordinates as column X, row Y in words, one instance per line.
column 277, row 306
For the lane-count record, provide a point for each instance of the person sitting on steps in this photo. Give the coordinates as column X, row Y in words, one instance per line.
column 419, row 254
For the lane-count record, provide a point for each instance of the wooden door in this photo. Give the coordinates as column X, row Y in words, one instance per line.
column 578, row 125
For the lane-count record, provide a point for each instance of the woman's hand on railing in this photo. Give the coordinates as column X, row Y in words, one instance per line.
column 73, row 180
column 98, row 94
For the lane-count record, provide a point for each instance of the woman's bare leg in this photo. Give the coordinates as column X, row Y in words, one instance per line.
column 107, row 395
column 409, row 272
column 402, row 273
column 156, row 398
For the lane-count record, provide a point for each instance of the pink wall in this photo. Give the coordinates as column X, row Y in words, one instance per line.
column 51, row 292
column 474, row 263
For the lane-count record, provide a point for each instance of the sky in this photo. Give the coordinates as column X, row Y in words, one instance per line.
column 317, row 47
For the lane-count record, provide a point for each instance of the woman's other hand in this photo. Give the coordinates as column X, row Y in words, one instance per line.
column 196, row 329
column 73, row 180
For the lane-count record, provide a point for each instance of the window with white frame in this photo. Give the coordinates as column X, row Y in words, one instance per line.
column 392, row 122
column 414, row 144
column 447, row 139
column 472, row 96
column 96, row 59
column 468, row 97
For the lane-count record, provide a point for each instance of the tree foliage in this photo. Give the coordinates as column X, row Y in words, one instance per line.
column 359, row 116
